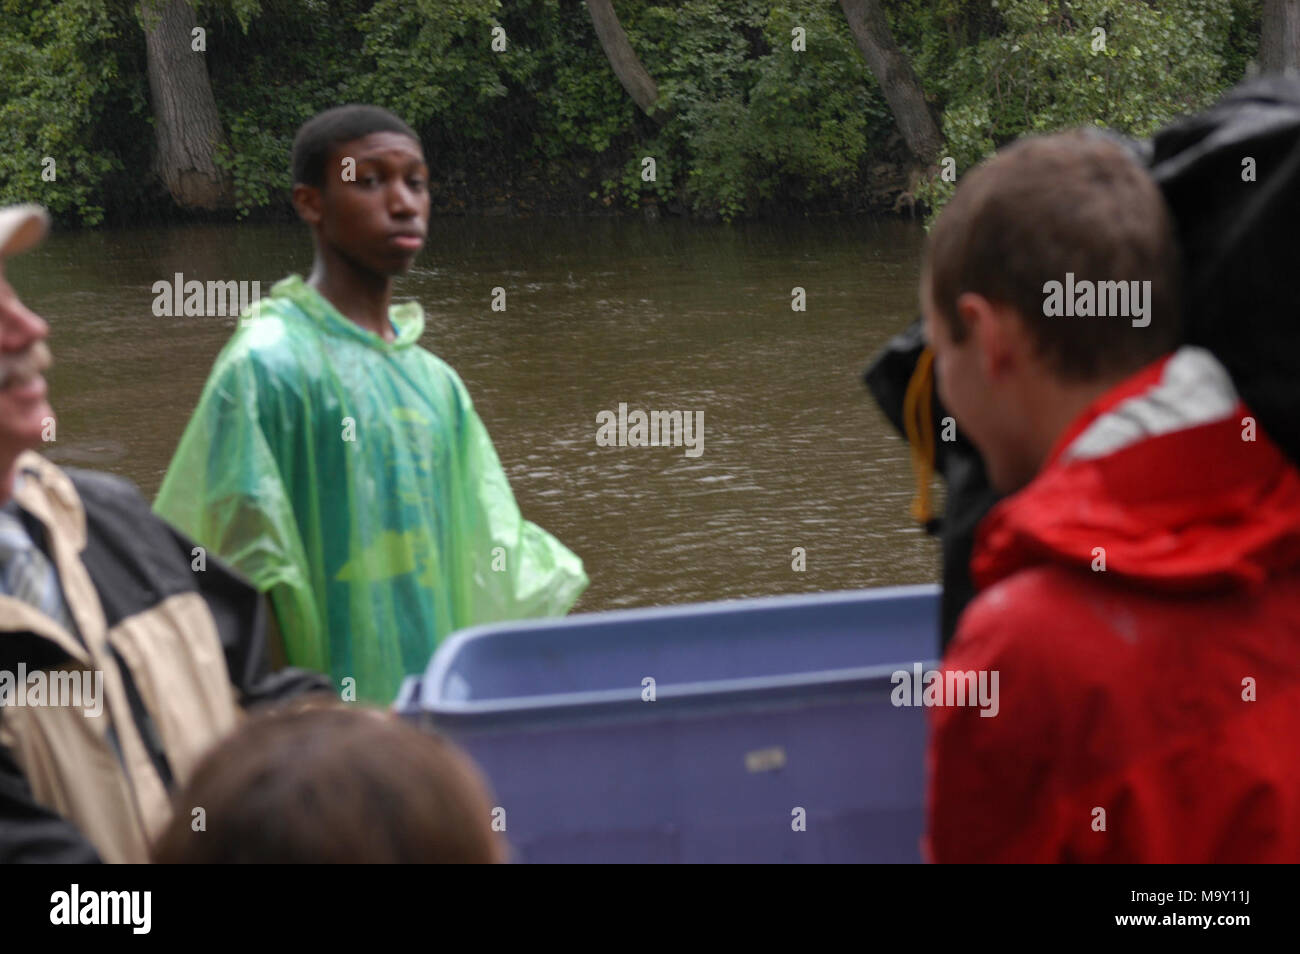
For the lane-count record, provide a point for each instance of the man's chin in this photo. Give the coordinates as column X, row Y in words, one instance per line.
column 402, row 267
column 390, row 268
column 380, row 262
column 25, row 430
column 1007, row 480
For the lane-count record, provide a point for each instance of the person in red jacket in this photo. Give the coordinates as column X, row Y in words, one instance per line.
column 1139, row 587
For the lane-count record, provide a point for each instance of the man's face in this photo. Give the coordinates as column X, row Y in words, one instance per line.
column 379, row 221
column 24, row 355
column 973, row 382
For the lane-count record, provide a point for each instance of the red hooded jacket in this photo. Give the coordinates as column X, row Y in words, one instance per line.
column 1140, row 601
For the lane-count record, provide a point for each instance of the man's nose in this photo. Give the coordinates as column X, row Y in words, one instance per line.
column 20, row 327
column 403, row 203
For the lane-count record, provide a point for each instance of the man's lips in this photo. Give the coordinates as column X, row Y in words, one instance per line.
column 22, row 372
column 25, row 389
column 410, row 241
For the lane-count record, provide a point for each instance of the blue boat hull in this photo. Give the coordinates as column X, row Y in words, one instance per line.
column 767, row 735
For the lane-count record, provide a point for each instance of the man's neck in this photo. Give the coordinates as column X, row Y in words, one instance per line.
column 362, row 297
column 1058, row 409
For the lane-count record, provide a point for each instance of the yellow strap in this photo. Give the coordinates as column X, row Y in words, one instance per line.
column 918, row 424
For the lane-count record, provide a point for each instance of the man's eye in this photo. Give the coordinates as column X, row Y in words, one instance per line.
column 417, row 183
column 369, row 180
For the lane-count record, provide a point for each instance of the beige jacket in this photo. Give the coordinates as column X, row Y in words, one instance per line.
column 160, row 624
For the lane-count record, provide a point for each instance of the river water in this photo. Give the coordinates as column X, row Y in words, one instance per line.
column 656, row 315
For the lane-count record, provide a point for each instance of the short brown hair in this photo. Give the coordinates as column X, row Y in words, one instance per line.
column 332, row 785
column 1075, row 202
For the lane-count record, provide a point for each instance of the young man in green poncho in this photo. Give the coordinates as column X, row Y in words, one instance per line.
column 342, row 467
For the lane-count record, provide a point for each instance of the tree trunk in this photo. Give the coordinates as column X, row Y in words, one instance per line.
column 623, row 59
column 894, row 73
column 187, row 129
column 1279, row 37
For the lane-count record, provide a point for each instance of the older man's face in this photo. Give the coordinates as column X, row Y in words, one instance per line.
column 24, row 410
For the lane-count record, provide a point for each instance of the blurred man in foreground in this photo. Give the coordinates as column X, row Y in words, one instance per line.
column 123, row 657
column 1139, row 588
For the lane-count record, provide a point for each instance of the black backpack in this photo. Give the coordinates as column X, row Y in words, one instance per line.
column 1239, row 241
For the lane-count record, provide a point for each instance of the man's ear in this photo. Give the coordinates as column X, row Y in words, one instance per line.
column 992, row 327
column 307, row 200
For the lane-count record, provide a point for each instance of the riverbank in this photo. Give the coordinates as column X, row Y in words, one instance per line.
column 883, row 190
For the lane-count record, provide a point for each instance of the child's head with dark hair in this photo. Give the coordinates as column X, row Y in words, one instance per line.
column 341, row 784
column 317, row 138
column 361, row 182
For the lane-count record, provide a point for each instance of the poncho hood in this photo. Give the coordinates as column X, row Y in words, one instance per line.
column 407, row 317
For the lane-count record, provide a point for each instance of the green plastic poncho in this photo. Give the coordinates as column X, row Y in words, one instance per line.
column 351, row 479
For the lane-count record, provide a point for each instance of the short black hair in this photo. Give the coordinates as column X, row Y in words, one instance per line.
column 320, row 134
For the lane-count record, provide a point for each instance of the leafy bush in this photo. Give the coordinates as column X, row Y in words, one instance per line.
column 273, row 66
column 748, row 125
column 751, row 118
column 1125, row 64
column 60, row 95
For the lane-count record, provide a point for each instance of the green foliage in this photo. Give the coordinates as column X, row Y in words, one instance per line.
column 752, row 119
column 580, row 107
column 256, row 159
column 1129, row 65
column 272, row 76
column 1243, row 38
column 431, row 61
column 817, row 112
column 58, row 69
column 746, row 125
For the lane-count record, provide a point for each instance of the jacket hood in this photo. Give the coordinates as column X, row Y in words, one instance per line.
column 1165, row 481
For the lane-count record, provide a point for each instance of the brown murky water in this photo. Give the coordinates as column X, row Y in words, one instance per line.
column 657, row 315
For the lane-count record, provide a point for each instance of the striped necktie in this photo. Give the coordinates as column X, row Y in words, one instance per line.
column 26, row 573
